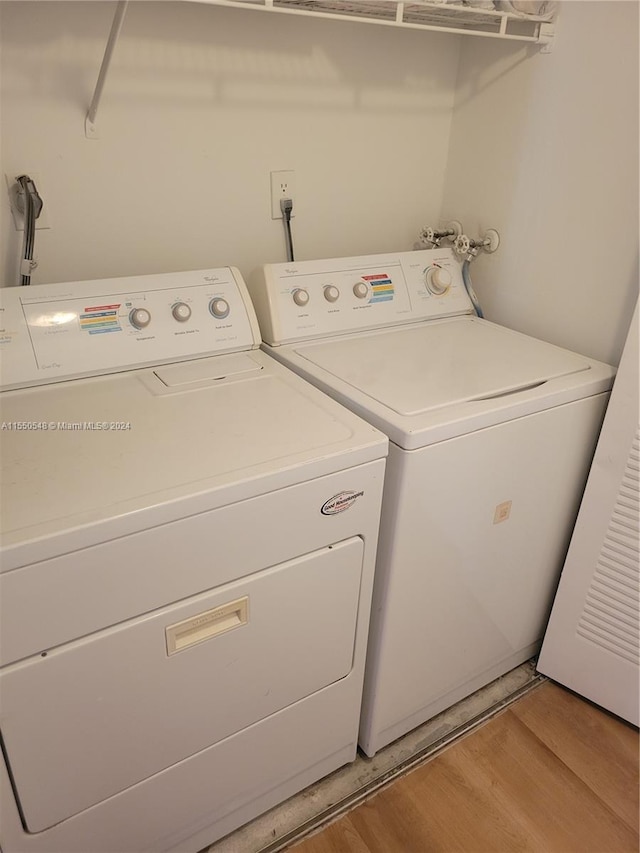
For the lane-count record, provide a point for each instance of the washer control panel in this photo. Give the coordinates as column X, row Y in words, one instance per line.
column 310, row 299
column 51, row 332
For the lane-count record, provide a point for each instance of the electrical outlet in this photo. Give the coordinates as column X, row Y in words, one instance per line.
column 43, row 221
column 283, row 185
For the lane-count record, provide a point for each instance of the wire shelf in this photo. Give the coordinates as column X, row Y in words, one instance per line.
column 418, row 14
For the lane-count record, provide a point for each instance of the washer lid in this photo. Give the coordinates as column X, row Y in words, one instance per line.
column 417, row 370
column 442, row 378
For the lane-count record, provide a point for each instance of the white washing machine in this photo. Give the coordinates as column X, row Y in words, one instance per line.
column 492, row 433
column 189, row 535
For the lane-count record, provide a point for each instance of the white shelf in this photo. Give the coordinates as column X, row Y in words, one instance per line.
column 422, row 15
column 417, row 14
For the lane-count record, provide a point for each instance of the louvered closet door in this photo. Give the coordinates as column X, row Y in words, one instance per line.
column 592, row 643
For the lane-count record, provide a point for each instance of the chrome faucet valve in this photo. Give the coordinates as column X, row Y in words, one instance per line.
column 466, row 246
column 451, row 231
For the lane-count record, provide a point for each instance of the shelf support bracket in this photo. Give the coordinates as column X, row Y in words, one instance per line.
column 546, row 37
column 90, row 129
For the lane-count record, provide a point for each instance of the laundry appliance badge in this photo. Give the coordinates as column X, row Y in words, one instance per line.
column 340, row 502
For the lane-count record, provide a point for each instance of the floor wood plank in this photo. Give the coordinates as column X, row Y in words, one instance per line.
column 596, row 746
column 551, row 774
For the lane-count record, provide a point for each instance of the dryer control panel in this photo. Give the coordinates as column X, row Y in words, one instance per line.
column 51, row 332
column 312, row 299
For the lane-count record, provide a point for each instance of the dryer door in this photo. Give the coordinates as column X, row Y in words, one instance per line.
column 101, row 713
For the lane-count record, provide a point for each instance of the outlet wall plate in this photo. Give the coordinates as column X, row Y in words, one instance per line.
column 283, row 185
column 43, row 221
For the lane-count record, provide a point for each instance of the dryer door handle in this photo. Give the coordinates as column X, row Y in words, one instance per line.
column 205, row 626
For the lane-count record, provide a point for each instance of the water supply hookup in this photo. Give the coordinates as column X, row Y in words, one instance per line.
column 463, row 245
column 466, row 246
column 433, row 237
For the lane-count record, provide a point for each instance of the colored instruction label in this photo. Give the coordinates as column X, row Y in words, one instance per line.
column 382, row 289
column 99, row 319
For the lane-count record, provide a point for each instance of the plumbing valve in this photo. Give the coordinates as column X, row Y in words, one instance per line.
column 462, row 244
column 466, row 246
column 433, row 236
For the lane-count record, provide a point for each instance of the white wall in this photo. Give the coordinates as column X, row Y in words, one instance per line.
column 545, row 149
column 202, row 102
column 200, row 105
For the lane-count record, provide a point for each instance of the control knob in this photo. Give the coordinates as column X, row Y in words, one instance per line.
column 139, row 318
column 331, row 293
column 300, row 297
column 438, row 280
column 219, row 307
column 360, row 289
column 181, row 312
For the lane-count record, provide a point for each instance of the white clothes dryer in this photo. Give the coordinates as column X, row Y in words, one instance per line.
column 189, row 534
column 492, row 433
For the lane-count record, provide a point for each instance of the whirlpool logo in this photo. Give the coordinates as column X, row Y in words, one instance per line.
column 340, row 502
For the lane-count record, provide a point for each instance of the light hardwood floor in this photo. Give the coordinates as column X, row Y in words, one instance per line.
column 550, row 774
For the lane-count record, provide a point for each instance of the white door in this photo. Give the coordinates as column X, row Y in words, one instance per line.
column 592, row 641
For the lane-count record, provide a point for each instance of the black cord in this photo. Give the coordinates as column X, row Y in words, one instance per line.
column 286, row 206
column 29, row 227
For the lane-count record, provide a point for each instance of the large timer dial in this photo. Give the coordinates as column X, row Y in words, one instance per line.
column 438, row 280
